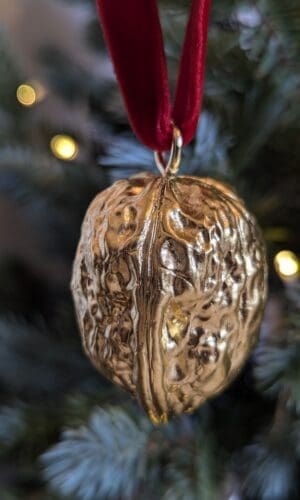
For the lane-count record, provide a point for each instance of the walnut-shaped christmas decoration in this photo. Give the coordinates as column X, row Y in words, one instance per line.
column 169, row 284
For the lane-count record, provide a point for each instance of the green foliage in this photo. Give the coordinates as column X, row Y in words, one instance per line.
column 271, row 468
column 104, row 459
column 246, row 442
column 277, row 368
column 11, row 425
column 194, row 471
column 286, row 19
column 117, row 455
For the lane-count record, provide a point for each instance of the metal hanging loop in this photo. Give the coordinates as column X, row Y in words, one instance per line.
column 172, row 165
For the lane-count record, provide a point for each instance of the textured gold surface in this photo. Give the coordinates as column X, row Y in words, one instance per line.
column 169, row 284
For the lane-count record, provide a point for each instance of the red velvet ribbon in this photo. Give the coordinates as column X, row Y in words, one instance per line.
column 134, row 38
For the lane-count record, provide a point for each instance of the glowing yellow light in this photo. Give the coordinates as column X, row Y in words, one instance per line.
column 286, row 264
column 64, row 147
column 26, row 94
column 30, row 93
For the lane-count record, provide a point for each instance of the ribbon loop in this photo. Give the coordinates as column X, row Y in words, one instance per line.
column 134, row 38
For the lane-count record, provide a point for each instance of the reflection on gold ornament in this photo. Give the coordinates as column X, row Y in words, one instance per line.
column 64, row 147
column 169, row 284
column 287, row 264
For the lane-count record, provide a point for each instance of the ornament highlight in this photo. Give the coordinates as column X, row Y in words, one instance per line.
column 169, row 284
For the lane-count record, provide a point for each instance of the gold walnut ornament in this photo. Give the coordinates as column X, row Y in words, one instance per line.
column 169, row 284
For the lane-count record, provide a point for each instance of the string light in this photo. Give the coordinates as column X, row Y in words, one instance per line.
column 26, row 95
column 64, row 147
column 40, row 90
column 287, row 264
column 30, row 93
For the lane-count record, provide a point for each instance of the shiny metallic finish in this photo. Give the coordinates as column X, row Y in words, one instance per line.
column 173, row 164
column 169, row 284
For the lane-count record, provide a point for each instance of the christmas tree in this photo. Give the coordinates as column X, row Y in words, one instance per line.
column 65, row 431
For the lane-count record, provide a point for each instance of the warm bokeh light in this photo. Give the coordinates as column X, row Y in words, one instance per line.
column 286, row 264
column 64, row 147
column 30, row 93
column 26, row 94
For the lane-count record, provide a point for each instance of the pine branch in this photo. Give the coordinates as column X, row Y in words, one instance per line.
column 287, row 18
column 12, row 426
column 33, row 363
column 271, row 463
column 270, row 468
column 194, row 470
column 104, row 459
column 277, row 369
